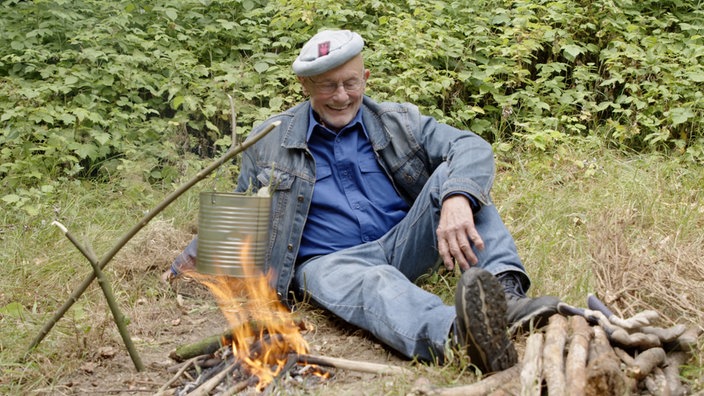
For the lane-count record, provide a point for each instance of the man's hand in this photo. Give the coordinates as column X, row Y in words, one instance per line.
column 457, row 234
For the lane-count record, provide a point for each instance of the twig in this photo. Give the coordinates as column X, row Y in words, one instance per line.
column 117, row 315
column 238, row 387
column 366, row 367
column 175, row 378
column 205, row 388
column 133, row 231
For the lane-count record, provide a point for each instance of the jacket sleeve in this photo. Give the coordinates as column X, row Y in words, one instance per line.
column 469, row 157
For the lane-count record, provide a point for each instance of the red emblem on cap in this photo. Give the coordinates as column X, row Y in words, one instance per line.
column 324, row 48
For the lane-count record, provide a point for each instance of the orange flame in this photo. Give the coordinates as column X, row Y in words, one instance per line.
column 263, row 330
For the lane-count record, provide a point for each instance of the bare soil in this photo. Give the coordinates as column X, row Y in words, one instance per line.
column 191, row 316
column 164, row 317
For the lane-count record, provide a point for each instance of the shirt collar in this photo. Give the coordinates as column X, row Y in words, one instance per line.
column 313, row 122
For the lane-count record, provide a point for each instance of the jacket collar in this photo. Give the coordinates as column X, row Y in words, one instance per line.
column 296, row 133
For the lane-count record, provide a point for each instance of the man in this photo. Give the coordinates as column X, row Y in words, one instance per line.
column 366, row 196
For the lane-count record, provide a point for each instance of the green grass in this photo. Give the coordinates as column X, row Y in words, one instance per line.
column 562, row 207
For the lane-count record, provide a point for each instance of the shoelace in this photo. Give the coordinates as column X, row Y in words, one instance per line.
column 512, row 286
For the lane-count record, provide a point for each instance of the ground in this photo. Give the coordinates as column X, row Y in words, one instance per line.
column 191, row 316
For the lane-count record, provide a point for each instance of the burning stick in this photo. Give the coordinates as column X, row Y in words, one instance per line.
column 531, row 374
column 553, row 355
column 576, row 364
column 366, row 367
column 207, row 386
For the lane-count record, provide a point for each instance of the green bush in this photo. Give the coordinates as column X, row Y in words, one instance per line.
column 91, row 89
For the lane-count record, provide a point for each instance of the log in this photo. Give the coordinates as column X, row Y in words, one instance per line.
column 495, row 383
column 604, row 375
column 206, row 346
column 531, row 373
column 645, row 362
column 553, row 355
column 665, row 334
column 578, row 355
column 213, row 343
column 655, row 383
column 686, row 342
column 674, row 362
column 625, row 357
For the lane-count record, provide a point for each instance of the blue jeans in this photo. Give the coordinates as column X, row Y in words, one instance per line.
column 371, row 285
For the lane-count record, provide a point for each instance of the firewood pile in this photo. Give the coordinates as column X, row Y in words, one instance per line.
column 591, row 351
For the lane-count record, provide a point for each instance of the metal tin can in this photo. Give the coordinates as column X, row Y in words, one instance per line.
column 233, row 231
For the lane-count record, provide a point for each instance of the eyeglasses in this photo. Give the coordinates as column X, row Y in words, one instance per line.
column 329, row 87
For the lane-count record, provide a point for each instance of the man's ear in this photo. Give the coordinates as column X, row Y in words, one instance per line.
column 303, row 85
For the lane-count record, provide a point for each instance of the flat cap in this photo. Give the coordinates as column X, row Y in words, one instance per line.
column 327, row 50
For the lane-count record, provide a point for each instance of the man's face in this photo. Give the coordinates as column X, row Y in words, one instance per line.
column 336, row 95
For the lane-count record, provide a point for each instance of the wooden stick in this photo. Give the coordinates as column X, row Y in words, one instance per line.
column 207, row 386
column 238, row 387
column 366, row 367
column 503, row 380
column 645, row 362
column 553, row 355
column 117, row 315
column 531, row 373
column 674, row 362
column 212, row 343
column 625, row 357
column 186, row 365
column 577, row 356
column 604, row 375
column 133, row 231
column 205, row 346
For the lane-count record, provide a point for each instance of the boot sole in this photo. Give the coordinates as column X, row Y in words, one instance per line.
column 481, row 308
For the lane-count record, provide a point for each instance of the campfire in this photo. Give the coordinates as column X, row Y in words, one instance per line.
column 264, row 340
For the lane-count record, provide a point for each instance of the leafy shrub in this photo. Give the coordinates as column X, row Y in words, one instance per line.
column 93, row 89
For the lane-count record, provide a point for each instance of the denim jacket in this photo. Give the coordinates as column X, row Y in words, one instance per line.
column 408, row 145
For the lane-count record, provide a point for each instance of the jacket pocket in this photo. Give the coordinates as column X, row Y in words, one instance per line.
column 275, row 179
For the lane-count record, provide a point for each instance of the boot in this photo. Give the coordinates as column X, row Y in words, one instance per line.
column 480, row 326
column 522, row 312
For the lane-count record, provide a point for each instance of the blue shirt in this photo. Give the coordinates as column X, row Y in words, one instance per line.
column 353, row 199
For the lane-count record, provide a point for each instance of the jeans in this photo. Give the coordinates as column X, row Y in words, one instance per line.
column 371, row 285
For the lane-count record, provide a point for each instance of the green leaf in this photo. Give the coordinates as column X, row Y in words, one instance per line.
column 171, row 13
column 680, row 115
column 11, row 198
column 101, row 137
column 178, row 101
column 13, row 310
column 572, row 51
column 261, row 67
